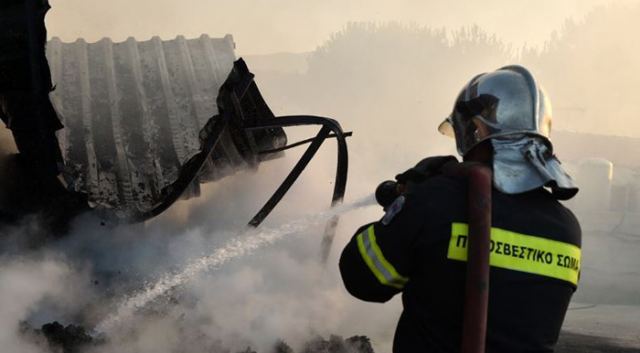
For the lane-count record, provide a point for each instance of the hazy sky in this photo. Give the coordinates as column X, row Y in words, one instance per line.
column 268, row 26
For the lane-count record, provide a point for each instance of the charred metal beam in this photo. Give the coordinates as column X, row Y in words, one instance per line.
column 300, row 143
column 329, row 125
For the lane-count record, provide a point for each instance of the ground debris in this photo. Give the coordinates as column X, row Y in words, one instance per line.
column 282, row 347
column 336, row 344
column 248, row 350
column 57, row 338
column 60, row 339
column 360, row 344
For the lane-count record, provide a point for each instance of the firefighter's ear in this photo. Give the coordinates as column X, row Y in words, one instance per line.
column 482, row 130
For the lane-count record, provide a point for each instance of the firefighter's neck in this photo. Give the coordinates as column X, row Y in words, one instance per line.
column 482, row 153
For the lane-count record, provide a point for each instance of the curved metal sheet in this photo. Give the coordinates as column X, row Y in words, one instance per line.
column 134, row 114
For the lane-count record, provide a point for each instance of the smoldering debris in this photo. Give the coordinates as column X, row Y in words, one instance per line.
column 335, row 344
column 57, row 338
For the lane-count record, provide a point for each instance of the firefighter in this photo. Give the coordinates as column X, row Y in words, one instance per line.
column 501, row 119
column 26, row 109
column 25, row 83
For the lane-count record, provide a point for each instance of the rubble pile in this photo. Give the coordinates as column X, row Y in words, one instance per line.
column 57, row 338
column 336, row 344
column 60, row 339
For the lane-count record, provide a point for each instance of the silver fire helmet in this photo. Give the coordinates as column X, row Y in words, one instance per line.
column 516, row 114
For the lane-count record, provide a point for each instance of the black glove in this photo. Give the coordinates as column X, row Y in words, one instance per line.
column 426, row 168
column 386, row 193
column 389, row 190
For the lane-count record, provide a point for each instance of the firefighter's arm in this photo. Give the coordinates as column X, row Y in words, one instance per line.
column 377, row 263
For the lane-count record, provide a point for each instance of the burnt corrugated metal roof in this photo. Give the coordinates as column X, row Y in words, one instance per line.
column 133, row 112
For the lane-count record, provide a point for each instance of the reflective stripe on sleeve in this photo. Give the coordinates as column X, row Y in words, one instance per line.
column 522, row 252
column 372, row 256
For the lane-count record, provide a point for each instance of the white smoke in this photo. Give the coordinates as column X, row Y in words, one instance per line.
column 30, row 283
column 243, row 244
column 280, row 291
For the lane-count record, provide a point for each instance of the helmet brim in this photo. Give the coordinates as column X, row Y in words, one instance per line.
column 446, row 127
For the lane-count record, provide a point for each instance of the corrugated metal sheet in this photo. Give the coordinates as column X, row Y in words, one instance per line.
column 133, row 112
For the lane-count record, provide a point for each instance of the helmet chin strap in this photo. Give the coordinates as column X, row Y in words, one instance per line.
column 482, row 130
column 482, row 152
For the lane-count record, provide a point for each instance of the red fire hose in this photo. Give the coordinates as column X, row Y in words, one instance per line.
column 474, row 330
column 476, row 302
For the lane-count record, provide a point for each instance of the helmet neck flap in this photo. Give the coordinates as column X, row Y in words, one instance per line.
column 524, row 163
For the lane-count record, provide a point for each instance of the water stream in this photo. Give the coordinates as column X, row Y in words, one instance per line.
column 246, row 242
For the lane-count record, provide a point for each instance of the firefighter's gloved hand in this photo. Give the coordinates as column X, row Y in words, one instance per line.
column 387, row 192
column 426, row 168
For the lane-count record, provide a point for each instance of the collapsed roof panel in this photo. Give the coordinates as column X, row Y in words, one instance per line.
column 134, row 114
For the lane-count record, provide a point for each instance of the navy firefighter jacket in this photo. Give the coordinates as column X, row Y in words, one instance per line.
column 419, row 249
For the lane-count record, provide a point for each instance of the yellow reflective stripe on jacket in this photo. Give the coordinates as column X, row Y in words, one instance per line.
column 377, row 263
column 521, row 252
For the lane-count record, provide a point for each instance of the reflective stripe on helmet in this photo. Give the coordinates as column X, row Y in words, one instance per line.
column 521, row 252
column 377, row 263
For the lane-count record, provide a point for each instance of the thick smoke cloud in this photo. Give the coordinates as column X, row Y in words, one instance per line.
column 391, row 84
column 264, row 27
column 282, row 291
